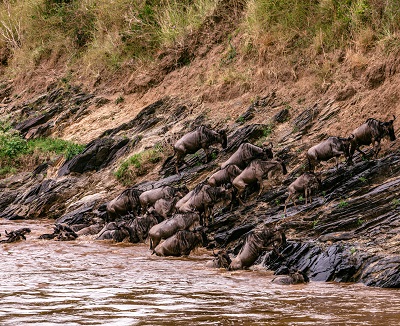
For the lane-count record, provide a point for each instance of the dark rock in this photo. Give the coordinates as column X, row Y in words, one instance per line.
column 281, row 116
column 304, row 121
column 97, row 154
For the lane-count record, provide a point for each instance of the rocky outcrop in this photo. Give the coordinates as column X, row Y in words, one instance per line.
column 349, row 233
column 98, row 154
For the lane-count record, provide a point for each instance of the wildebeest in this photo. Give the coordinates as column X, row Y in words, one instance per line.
column 256, row 242
column 224, row 176
column 201, row 137
column 203, row 199
column 327, row 149
column 294, row 277
column 16, row 235
column 248, row 152
column 140, row 227
column 221, row 260
column 181, row 243
column 62, row 232
column 165, row 207
column 371, row 132
column 169, row 227
column 185, row 198
column 306, row 182
column 255, row 172
column 126, row 203
column 113, row 231
column 150, row 197
column 136, row 229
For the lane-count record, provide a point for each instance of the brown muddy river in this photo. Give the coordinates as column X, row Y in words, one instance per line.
column 88, row 282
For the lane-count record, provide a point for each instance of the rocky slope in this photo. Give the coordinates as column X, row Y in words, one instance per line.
column 350, row 232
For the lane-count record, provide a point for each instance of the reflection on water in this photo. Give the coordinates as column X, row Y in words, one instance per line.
column 87, row 282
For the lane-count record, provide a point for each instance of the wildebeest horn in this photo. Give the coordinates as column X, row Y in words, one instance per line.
column 394, row 117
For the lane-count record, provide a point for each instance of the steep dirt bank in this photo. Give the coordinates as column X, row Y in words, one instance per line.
column 350, row 231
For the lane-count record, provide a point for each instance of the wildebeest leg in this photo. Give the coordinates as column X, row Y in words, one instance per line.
column 288, row 200
column 360, row 151
column 377, row 147
column 306, row 194
column 260, row 182
column 207, row 151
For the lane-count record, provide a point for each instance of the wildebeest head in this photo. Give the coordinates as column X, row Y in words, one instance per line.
column 224, row 138
column 345, row 142
column 267, row 149
column 222, row 259
column 389, row 129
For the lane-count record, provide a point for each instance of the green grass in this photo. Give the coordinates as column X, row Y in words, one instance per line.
column 138, row 164
column 15, row 151
column 343, row 204
column 57, row 146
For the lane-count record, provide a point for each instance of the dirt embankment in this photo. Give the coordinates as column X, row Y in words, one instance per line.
column 349, row 232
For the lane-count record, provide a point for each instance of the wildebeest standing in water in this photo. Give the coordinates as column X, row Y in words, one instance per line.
column 201, row 137
column 306, row 182
column 248, row 152
column 136, row 229
column 371, row 132
column 181, row 243
column 256, row 242
column 203, row 199
column 221, row 260
column 169, row 227
column 294, row 277
column 327, row 149
column 255, row 172
column 126, row 203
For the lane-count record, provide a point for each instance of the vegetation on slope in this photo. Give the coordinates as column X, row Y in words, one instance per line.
column 17, row 153
column 106, row 36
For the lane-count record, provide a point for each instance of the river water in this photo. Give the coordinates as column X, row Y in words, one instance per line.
column 88, row 282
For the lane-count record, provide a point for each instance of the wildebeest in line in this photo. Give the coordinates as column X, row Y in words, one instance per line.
column 224, row 176
column 256, row 242
column 255, row 172
column 150, row 197
column 203, row 199
column 126, row 203
column 135, row 229
column 371, row 132
column 306, row 183
column 248, row 152
column 182, row 243
column 170, row 226
column 327, row 149
column 165, row 207
column 201, row 137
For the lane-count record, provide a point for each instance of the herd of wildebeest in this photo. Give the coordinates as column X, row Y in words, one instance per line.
column 174, row 219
